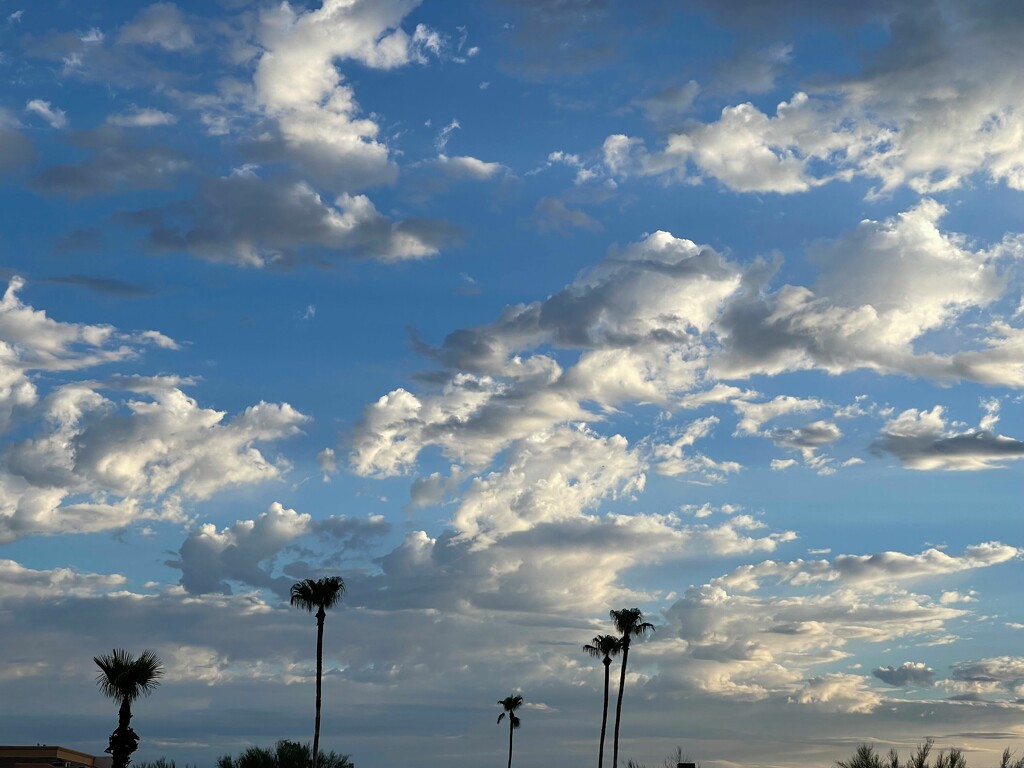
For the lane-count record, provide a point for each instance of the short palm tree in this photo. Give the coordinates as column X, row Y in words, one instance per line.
column 318, row 594
column 124, row 678
column 510, row 705
column 630, row 623
column 604, row 647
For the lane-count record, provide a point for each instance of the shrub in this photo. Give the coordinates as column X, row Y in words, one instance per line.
column 284, row 754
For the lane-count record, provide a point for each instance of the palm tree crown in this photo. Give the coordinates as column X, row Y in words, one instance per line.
column 511, row 704
column 124, row 678
column 604, row 647
column 630, row 623
column 318, row 594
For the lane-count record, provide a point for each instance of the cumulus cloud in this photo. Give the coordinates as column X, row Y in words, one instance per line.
column 908, row 673
column 51, row 114
column 97, row 463
column 20, row 583
column 867, row 570
column 245, row 553
column 104, row 453
column 1000, row 674
column 882, row 287
column 32, row 341
column 245, row 220
column 922, row 440
column 838, row 693
column 900, row 122
column 466, row 167
column 748, row 640
column 298, row 84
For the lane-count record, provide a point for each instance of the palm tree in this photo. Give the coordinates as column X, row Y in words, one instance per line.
column 320, row 594
column 630, row 623
column 510, row 705
column 124, row 678
column 604, row 646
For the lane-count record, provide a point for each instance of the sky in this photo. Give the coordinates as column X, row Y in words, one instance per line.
column 511, row 313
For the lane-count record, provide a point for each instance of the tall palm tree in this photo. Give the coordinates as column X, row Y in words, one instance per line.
column 124, row 678
column 604, row 647
column 630, row 623
column 319, row 594
column 510, row 705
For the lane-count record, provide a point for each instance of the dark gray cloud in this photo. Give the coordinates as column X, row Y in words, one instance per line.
column 921, row 440
column 87, row 239
column 553, row 215
column 109, row 286
column 769, row 19
column 116, row 164
column 249, row 221
column 16, row 149
column 908, row 673
column 161, row 24
column 810, row 436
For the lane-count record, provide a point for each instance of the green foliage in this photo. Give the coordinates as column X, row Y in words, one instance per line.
column 867, row 757
column 318, row 594
column 1009, row 760
column 864, row 757
column 124, row 678
column 160, row 762
column 284, row 754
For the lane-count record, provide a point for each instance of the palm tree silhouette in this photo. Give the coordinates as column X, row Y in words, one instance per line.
column 124, row 678
column 604, row 647
column 510, row 704
column 630, row 623
column 320, row 594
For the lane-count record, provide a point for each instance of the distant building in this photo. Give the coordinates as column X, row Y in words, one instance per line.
column 44, row 756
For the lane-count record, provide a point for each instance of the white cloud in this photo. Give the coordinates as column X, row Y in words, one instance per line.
column 55, row 116
column 1003, row 674
column 20, row 583
column 900, row 122
column 468, row 167
column 142, row 117
column 298, row 84
column 922, row 440
column 839, row 693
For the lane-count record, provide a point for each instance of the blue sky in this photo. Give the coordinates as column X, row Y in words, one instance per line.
column 511, row 313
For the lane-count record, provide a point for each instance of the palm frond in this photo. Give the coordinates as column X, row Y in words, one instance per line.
column 123, row 677
column 630, row 623
column 603, row 646
column 314, row 594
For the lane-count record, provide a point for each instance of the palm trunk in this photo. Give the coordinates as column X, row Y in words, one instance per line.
column 510, row 729
column 320, row 615
column 124, row 740
column 604, row 712
column 618, row 704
